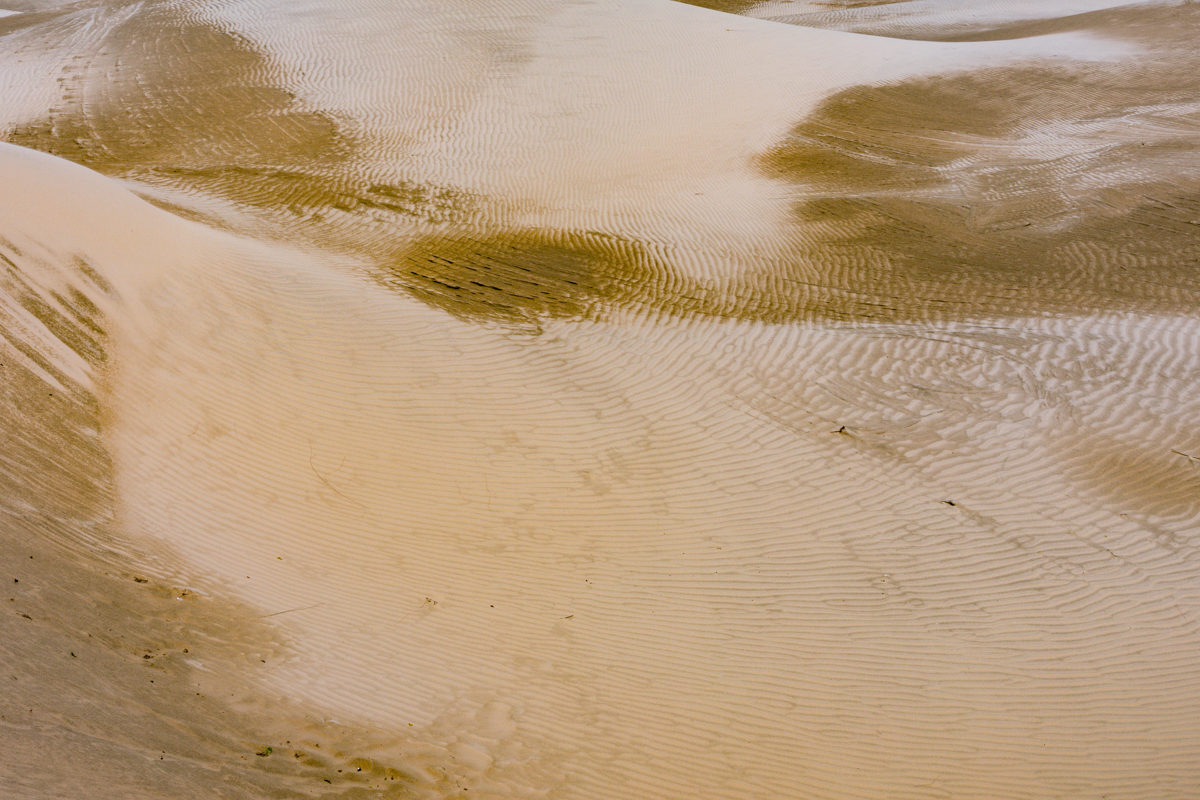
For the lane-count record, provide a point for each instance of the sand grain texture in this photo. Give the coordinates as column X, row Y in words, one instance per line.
column 592, row 400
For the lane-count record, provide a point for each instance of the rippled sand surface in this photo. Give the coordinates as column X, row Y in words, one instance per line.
column 591, row 400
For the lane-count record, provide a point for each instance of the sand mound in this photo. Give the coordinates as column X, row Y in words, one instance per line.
column 598, row 400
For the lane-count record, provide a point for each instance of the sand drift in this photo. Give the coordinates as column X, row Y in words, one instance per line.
column 616, row 399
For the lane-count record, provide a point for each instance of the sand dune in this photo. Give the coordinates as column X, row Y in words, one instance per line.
column 593, row 400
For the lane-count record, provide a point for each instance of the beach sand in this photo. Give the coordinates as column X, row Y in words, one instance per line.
column 599, row 400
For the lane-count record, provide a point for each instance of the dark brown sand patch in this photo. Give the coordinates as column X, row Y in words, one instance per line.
column 308, row 198
column 519, row 276
column 728, row 6
column 163, row 94
column 1027, row 190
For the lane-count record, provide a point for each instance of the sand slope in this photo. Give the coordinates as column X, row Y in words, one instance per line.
column 596, row 400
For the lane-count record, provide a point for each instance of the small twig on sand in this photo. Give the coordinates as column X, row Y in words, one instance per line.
column 311, row 456
column 290, row 610
column 426, row 603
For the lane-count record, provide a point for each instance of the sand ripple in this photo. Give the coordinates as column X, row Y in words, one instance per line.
column 572, row 400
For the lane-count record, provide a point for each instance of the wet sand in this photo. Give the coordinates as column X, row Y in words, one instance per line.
column 599, row 400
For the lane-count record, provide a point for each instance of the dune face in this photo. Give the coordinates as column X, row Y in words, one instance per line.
column 593, row 400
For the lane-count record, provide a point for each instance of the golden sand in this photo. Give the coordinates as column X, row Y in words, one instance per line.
column 599, row 400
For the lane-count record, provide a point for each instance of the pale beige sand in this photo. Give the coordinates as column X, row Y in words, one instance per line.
column 596, row 400
column 932, row 19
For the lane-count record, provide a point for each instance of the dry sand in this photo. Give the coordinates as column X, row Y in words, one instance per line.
column 599, row 400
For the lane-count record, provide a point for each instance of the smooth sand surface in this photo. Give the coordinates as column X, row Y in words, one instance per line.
column 599, row 400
